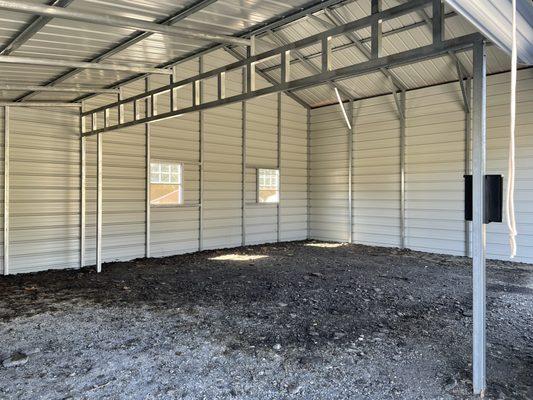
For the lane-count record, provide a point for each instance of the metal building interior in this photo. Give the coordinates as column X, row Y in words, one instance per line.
column 139, row 129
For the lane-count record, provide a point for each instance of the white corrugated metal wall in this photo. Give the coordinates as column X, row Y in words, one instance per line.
column 435, row 165
column 45, row 183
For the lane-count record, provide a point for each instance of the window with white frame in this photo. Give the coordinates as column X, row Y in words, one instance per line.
column 267, row 185
column 166, row 183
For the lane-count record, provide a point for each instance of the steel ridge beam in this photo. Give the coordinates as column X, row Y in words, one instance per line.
column 402, row 58
column 116, row 21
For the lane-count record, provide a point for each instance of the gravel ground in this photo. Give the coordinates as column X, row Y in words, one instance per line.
column 297, row 320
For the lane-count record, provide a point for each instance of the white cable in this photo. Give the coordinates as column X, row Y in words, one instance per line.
column 343, row 109
column 510, row 211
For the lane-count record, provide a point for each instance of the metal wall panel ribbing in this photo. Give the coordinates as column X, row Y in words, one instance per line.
column 498, row 88
column 435, row 165
column 44, row 190
column 123, row 208
column 329, row 175
column 435, row 162
column 293, row 211
column 174, row 230
column 223, row 161
column 262, row 124
column 2, row 122
column 376, row 172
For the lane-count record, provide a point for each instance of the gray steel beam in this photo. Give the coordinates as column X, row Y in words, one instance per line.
column 362, row 41
column 31, row 29
column 365, row 22
column 80, row 64
column 6, row 189
column 479, row 137
column 468, row 152
column 280, row 40
column 268, row 78
column 405, row 57
column 130, row 41
column 377, row 32
column 117, row 21
column 357, row 42
column 74, row 89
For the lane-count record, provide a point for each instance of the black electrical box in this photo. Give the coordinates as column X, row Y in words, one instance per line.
column 493, row 198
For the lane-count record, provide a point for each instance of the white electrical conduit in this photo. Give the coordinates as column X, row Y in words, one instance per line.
column 343, row 109
column 509, row 209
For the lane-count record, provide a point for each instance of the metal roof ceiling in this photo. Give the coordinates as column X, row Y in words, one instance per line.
column 70, row 40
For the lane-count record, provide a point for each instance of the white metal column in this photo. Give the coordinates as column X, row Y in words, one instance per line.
column 478, row 226
column 308, row 174
column 148, row 157
column 83, row 184
column 244, row 161
column 402, row 110
column 350, row 171
column 99, row 201
column 278, row 205
column 201, row 128
column 6, row 190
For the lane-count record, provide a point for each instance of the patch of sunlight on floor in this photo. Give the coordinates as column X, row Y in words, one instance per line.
column 238, row 257
column 325, row 245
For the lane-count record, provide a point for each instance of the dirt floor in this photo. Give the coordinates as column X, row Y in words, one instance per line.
column 296, row 320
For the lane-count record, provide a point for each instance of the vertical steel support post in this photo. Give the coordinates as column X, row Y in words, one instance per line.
column 244, row 161
column 402, row 168
column 99, row 198
column 308, row 174
column 6, row 190
column 350, row 172
column 148, row 157
column 468, row 152
column 278, row 205
column 438, row 21
column 83, row 184
column 478, row 226
column 376, row 31
column 201, row 162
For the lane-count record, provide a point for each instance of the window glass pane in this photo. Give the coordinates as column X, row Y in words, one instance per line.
column 268, row 186
column 175, row 177
column 165, row 183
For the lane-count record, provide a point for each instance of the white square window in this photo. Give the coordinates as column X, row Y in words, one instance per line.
column 267, row 185
column 166, row 183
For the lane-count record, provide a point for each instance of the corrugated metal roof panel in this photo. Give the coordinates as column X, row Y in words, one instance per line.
column 63, row 39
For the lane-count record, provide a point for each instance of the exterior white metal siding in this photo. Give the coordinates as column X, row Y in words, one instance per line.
column 435, row 165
